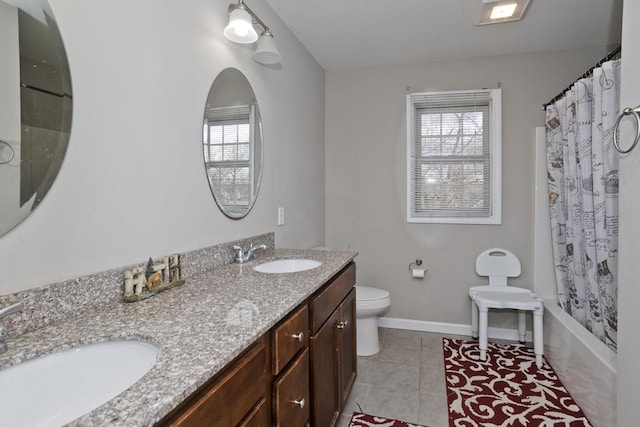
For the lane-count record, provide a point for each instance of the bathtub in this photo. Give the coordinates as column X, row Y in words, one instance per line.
column 585, row 365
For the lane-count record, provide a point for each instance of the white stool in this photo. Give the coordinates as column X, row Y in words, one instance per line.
column 499, row 264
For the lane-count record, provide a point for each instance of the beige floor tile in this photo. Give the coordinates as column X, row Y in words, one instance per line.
column 366, row 368
column 432, row 357
column 405, row 380
column 432, row 379
column 357, row 397
column 391, row 403
column 432, row 409
column 343, row 421
column 394, row 376
column 431, row 340
column 401, row 337
column 382, row 332
column 401, row 354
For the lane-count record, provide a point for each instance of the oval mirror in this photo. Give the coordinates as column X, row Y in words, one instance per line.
column 35, row 116
column 232, row 143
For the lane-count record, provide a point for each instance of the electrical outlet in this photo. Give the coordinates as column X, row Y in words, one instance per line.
column 280, row 216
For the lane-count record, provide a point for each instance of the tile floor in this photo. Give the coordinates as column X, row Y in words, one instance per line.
column 405, row 380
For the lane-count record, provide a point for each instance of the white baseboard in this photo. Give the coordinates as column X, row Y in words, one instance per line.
column 448, row 328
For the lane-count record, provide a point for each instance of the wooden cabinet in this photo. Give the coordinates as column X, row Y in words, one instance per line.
column 235, row 396
column 298, row 374
column 333, row 347
column 289, row 337
column 324, row 302
column 324, row 374
column 291, row 394
column 347, row 352
column 259, row 415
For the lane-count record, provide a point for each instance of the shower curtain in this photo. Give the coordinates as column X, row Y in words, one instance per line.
column 582, row 169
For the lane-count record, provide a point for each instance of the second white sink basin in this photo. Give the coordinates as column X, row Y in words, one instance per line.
column 55, row 389
column 287, row 265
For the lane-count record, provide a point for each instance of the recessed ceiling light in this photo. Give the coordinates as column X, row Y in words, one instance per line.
column 497, row 11
column 503, row 11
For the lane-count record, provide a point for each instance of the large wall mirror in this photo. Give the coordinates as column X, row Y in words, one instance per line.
column 35, row 107
column 232, row 143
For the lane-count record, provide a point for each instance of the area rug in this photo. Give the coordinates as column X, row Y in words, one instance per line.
column 505, row 390
column 363, row 420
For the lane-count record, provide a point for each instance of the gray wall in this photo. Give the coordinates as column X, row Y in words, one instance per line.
column 132, row 185
column 366, row 176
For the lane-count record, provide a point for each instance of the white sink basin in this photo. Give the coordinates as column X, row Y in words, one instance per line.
column 55, row 389
column 287, row 265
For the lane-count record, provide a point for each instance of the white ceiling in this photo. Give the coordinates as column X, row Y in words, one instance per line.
column 343, row 34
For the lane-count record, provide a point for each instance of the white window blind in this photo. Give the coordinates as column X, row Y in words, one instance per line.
column 228, row 155
column 453, row 160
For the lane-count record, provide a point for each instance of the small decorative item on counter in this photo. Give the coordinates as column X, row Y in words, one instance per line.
column 141, row 283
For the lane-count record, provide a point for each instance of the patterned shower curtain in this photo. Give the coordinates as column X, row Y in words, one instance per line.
column 582, row 169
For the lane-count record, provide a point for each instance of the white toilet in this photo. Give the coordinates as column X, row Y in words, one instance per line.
column 370, row 303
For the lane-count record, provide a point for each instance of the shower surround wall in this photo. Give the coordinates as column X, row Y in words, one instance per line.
column 133, row 185
column 586, row 366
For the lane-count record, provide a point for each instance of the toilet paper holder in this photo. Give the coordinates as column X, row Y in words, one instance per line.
column 415, row 264
column 417, row 272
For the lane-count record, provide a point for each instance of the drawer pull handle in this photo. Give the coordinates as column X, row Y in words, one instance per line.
column 299, row 337
column 300, row 403
column 343, row 324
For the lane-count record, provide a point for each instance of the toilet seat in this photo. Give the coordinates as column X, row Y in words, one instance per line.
column 371, row 300
column 365, row 293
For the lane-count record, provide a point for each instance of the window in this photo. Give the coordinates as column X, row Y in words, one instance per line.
column 227, row 153
column 453, row 157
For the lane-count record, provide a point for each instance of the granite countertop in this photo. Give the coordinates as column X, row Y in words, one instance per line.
column 199, row 328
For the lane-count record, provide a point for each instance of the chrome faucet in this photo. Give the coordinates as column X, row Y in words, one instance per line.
column 243, row 256
column 15, row 308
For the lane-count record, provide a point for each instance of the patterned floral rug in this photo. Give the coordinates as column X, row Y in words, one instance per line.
column 505, row 390
column 363, row 420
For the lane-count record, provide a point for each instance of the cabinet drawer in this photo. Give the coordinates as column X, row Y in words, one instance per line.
column 228, row 399
column 289, row 337
column 291, row 394
column 323, row 303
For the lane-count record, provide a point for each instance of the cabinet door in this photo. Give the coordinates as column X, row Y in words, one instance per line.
column 227, row 400
column 291, row 394
column 324, row 374
column 258, row 417
column 347, row 357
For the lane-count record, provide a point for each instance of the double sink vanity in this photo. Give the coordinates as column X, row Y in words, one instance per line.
column 233, row 346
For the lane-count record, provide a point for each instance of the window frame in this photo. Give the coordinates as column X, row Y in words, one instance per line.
column 494, row 97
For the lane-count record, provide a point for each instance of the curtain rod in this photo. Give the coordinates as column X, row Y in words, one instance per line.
column 589, row 72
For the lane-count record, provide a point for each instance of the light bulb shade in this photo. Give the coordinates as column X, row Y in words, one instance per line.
column 267, row 51
column 240, row 28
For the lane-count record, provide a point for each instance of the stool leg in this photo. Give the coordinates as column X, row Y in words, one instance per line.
column 484, row 323
column 522, row 325
column 474, row 319
column 538, row 344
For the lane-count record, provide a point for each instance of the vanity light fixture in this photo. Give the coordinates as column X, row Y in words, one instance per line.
column 498, row 11
column 240, row 29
